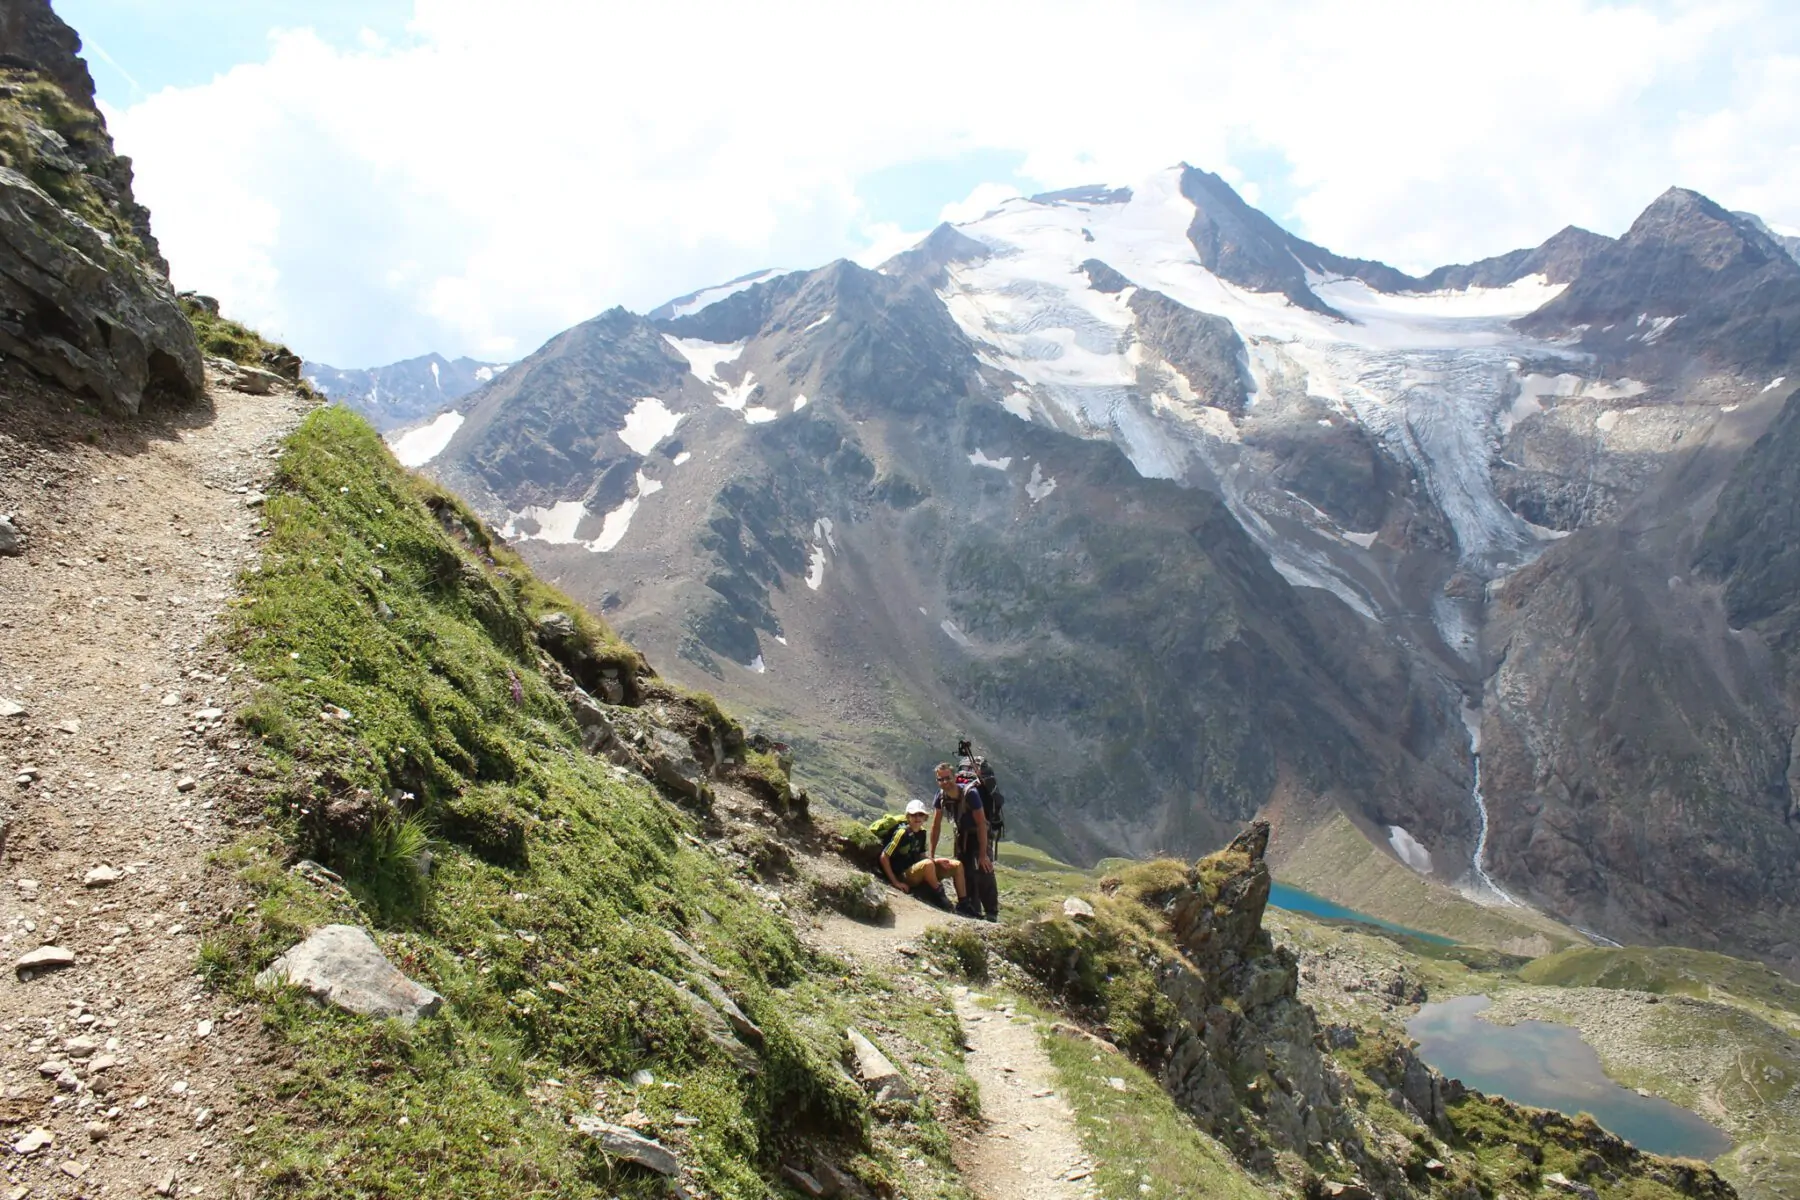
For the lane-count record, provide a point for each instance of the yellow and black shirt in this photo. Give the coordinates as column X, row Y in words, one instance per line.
column 905, row 848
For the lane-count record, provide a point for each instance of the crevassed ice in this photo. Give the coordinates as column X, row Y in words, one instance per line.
column 1430, row 375
column 647, row 424
column 416, row 447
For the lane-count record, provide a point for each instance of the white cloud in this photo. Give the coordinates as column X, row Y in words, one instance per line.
column 983, row 200
column 501, row 173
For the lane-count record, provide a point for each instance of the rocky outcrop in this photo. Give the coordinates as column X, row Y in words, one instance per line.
column 1558, row 260
column 1243, row 1042
column 84, row 293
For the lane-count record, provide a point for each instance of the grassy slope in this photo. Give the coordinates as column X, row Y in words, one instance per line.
column 1336, row 861
column 1673, row 970
column 549, row 868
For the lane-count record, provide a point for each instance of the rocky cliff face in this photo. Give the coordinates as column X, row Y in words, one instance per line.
column 84, row 292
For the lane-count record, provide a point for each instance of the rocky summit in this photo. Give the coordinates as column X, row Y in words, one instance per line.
column 1188, row 519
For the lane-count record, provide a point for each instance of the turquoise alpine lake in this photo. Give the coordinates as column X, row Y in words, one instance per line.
column 1295, row 900
column 1547, row 1065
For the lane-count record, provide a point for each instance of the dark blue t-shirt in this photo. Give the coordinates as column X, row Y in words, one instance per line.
column 965, row 810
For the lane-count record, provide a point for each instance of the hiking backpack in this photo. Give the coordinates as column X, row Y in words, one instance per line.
column 972, row 768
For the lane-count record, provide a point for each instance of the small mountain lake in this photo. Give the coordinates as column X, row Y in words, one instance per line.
column 1295, row 900
column 1547, row 1065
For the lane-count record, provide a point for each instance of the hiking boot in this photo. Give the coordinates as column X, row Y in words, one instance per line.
column 965, row 909
column 993, row 917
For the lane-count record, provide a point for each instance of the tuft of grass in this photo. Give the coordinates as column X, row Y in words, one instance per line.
column 1144, row 1146
column 407, row 707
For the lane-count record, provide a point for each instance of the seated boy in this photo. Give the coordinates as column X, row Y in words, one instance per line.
column 906, row 863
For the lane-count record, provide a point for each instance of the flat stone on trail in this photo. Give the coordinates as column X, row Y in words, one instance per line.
column 621, row 1143
column 45, row 958
column 1078, row 909
column 72, row 725
column 342, row 965
column 874, row 1069
column 38, row 1139
column 11, row 708
column 102, row 877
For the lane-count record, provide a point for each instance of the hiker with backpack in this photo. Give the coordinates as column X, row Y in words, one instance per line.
column 908, row 866
column 961, row 799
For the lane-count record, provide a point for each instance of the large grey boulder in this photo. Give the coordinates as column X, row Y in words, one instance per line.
column 672, row 758
column 84, row 312
column 342, row 965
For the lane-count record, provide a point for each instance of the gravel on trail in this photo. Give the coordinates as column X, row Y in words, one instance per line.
column 120, row 1073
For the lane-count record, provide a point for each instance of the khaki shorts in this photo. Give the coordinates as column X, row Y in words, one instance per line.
column 916, row 872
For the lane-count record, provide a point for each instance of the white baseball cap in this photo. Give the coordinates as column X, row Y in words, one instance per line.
column 916, row 807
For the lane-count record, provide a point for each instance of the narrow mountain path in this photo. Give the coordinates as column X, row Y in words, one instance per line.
column 1027, row 1146
column 120, row 1073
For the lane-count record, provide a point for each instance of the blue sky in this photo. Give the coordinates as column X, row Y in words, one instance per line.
column 136, row 47
column 377, row 179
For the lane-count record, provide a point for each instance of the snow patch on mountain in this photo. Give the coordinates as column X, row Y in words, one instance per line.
column 1775, row 383
column 705, row 358
column 817, row 323
column 706, row 297
column 800, row 401
column 416, row 447
column 757, row 415
column 647, row 424
column 1039, row 486
column 737, row 396
column 683, row 457
column 978, row 459
column 954, row 634
column 560, row 523
column 1018, row 404
column 1409, row 850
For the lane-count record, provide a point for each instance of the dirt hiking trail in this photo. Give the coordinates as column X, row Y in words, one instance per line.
column 1027, row 1147
column 120, row 1074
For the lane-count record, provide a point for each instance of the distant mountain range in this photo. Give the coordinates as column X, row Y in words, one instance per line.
column 1188, row 519
column 403, row 393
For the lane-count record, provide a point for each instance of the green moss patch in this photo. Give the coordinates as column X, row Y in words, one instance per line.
column 421, row 749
